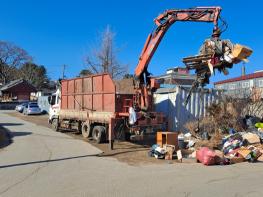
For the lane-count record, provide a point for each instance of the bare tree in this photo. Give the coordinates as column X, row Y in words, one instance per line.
column 11, row 58
column 105, row 59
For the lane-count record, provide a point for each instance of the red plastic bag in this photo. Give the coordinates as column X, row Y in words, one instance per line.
column 206, row 156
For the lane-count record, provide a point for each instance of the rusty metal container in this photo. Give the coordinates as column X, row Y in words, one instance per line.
column 94, row 93
column 97, row 93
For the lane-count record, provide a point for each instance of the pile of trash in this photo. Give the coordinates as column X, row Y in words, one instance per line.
column 233, row 148
column 166, row 152
column 236, row 147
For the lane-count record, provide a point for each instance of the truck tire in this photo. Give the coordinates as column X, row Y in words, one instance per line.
column 54, row 124
column 98, row 134
column 85, row 130
column 79, row 131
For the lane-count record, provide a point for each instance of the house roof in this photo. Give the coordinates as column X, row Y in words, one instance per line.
column 241, row 78
column 14, row 83
column 176, row 78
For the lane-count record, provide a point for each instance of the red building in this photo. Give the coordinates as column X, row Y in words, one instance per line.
column 17, row 90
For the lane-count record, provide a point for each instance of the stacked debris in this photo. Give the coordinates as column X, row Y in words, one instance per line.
column 222, row 144
column 165, row 152
column 228, row 149
column 223, row 137
column 179, row 146
column 234, row 148
column 215, row 54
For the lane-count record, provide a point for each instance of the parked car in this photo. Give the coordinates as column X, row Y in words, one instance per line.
column 32, row 108
column 21, row 107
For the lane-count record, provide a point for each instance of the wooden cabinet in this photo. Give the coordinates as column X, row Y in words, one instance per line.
column 170, row 138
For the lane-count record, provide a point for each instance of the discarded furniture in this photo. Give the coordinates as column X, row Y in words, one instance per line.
column 170, row 138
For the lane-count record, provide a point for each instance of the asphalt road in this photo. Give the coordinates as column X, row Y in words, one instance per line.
column 40, row 162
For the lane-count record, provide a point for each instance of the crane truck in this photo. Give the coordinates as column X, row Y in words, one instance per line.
column 94, row 106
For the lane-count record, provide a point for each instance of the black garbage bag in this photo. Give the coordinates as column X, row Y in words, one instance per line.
column 250, row 121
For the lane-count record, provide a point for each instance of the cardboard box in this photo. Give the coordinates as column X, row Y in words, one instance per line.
column 170, row 150
column 251, row 138
column 237, row 160
column 244, row 152
column 261, row 157
column 240, row 52
column 179, row 155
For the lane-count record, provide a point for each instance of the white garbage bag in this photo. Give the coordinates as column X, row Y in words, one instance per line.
column 132, row 116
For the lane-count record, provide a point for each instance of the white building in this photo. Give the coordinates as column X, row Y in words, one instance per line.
column 242, row 86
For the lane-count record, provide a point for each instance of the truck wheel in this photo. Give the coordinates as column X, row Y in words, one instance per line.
column 98, row 134
column 85, row 130
column 55, row 124
column 79, row 131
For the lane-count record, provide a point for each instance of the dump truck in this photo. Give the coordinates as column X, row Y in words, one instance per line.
column 101, row 109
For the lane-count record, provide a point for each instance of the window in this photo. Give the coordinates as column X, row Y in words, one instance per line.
column 245, row 84
column 260, row 83
column 52, row 100
column 232, row 86
column 219, row 87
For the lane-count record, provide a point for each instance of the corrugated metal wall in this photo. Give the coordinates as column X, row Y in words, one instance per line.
column 170, row 101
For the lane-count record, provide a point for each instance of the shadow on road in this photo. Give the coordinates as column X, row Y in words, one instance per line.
column 10, row 124
column 18, row 134
column 46, row 161
column 6, row 137
column 122, row 152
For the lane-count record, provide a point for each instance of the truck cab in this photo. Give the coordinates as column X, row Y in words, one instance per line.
column 54, row 109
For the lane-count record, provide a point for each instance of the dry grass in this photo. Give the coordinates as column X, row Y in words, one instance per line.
column 219, row 119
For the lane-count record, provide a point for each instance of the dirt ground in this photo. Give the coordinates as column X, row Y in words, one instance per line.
column 131, row 153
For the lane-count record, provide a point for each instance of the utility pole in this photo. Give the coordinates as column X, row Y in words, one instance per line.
column 63, row 71
column 243, row 69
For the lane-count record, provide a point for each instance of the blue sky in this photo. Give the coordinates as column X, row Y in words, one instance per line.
column 62, row 32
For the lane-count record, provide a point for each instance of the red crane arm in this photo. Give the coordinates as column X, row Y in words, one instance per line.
column 164, row 21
